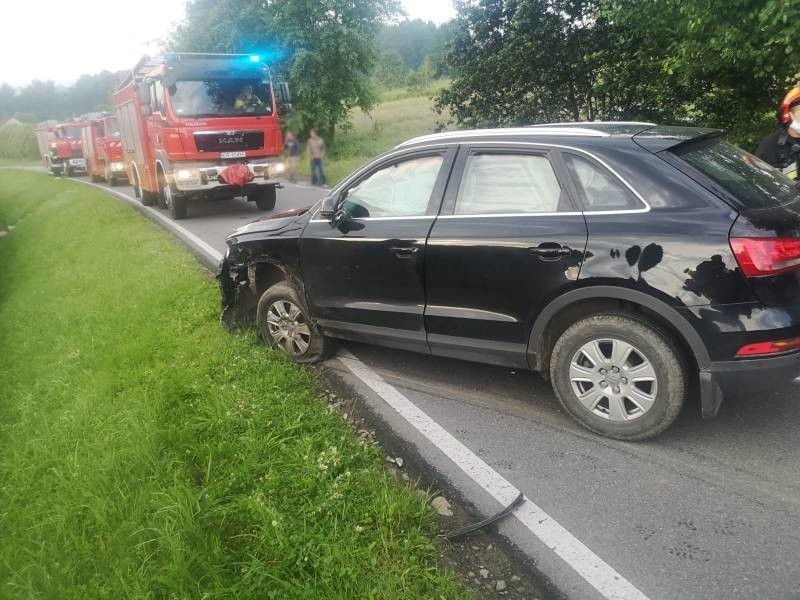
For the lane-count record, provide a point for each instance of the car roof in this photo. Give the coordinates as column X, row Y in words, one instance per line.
column 647, row 135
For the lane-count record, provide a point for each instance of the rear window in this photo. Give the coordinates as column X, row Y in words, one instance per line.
column 747, row 181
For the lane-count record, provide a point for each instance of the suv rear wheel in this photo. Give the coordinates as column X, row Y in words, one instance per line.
column 619, row 376
column 283, row 323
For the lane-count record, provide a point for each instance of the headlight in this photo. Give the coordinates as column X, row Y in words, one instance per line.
column 117, row 166
column 276, row 169
column 187, row 176
column 183, row 174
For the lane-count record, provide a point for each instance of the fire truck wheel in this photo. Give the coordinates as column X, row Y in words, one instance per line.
column 177, row 207
column 264, row 198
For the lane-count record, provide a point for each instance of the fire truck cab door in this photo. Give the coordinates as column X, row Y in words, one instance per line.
column 158, row 115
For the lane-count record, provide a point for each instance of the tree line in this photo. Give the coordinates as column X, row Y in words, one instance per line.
column 718, row 63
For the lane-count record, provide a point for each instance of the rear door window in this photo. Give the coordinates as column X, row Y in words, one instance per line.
column 506, row 183
column 745, row 180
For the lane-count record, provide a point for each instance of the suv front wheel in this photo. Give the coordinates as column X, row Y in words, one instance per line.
column 619, row 376
column 283, row 323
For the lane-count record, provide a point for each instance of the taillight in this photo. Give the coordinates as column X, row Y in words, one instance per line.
column 766, row 348
column 759, row 257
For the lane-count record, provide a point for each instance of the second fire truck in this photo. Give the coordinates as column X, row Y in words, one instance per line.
column 102, row 148
column 201, row 126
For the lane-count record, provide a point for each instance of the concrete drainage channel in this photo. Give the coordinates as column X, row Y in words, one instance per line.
column 484, row 560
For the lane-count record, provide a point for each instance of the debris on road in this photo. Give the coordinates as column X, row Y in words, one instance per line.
column 500, row 585
column 494, row 518
column 484, row 573
column 442, row 506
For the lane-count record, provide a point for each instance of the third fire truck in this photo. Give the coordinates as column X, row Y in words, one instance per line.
column 202, row 126
column 102, row 148
column 60, row 147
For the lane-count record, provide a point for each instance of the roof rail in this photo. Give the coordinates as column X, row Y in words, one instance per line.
column 592, row 123
column 503, row 132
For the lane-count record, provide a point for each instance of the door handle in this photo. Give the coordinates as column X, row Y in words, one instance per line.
column 550, row 251
column 404, row 251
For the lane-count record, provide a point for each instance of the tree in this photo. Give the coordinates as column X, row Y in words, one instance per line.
column 390, row 69
column 719, row 63
column 325, row 48
column 412, row 40
column 527, row 61
column 91, row 93
column 8, row 105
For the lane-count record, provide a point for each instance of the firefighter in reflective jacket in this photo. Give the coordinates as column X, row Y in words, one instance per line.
column 247, row 101
column 781, row 148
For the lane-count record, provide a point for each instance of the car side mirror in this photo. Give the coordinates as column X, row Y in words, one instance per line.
column 328, row 207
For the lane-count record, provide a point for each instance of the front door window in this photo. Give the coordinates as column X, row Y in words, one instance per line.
column 402, row 189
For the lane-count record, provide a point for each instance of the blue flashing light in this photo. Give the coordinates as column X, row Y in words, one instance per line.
column 255, row 58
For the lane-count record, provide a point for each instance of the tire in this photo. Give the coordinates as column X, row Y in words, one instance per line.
column 634, row 395
column 95, row 178
column 264, row 198
column 146, row 198
column 68, row 172
column 162, row 201
column 309, row 345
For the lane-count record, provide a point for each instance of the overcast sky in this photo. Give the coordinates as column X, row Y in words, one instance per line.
column 63, row 40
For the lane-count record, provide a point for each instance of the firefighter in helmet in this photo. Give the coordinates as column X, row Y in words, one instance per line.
column 781, row 148
column 247, row 101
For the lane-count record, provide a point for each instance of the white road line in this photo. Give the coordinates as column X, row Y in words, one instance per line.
column 598, row 573
column 212, row 252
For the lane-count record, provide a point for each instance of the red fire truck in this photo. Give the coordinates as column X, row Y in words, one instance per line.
column 102, row 148
column 202, row 126
column 61, row 147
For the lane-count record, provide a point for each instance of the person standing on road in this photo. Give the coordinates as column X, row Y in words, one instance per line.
column 781, row 148
column 316, row 152
column 292, row 149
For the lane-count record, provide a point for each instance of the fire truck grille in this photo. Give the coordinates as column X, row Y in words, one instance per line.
column 225, row 141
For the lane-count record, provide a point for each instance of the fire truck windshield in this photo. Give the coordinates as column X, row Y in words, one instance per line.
column 73, row 133
column 220, row 97
column 112, row 128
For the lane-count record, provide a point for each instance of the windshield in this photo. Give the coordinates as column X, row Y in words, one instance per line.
column 221, row 97
column 68, row 132
column 112, row 128
column 749, row 181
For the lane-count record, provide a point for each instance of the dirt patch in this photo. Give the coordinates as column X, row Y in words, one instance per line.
column 484, row 561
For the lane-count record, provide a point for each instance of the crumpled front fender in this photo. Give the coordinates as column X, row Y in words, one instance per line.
column 238, row 301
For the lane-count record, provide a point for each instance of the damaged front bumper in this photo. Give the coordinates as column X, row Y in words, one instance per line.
column 238, row 300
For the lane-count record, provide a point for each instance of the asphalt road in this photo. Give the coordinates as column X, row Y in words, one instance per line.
column 709, row 510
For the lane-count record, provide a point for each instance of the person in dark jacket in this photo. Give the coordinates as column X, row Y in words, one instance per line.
column 781, row 148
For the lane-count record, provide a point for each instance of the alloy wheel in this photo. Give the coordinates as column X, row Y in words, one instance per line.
column 288, row 327
column 613, row 379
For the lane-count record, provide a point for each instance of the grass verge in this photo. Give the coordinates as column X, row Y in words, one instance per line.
column 149, row 454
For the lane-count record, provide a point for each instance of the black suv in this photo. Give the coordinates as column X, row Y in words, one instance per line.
column 630, row 264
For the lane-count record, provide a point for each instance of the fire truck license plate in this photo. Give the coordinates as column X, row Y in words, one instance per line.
column 232, row 154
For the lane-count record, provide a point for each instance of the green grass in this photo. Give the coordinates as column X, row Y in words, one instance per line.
column 20, row 162
column 401, row 114
column 147, row 453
